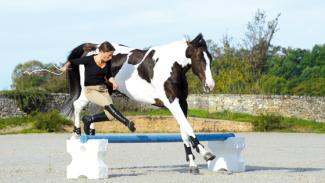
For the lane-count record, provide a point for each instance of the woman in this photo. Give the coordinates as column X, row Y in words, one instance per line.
column 97, row 72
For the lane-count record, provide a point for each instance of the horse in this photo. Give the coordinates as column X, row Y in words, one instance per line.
column 155, row 76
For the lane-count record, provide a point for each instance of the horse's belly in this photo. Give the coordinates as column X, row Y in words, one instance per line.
column 133, row 86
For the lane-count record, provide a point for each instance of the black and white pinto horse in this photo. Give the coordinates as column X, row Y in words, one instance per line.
column 155, row 76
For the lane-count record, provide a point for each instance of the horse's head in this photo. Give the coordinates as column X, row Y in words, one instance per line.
column 197, row 52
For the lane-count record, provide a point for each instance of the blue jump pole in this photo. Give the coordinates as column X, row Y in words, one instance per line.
column 155, row 138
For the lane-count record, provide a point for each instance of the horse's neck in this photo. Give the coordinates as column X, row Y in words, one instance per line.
column 173, row 52
column 165, row 56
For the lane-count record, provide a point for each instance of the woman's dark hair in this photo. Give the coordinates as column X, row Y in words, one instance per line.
column 106, row 47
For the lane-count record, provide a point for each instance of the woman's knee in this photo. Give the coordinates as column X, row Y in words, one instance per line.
column 108, row 115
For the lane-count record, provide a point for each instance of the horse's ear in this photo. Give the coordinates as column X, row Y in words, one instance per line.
column 189, row 51
column 196, row 41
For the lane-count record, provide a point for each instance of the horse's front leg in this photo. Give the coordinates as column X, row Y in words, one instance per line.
column 188, row 150
column 188, row 135
column 207, row 155
column 193, row 168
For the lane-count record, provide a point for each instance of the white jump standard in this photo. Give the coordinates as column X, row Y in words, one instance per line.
column 89, row 152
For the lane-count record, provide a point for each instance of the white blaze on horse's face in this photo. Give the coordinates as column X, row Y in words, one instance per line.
column 200, row 63
column 209, row 82
column 197, row 52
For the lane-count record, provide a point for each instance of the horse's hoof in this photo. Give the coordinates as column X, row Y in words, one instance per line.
column 209, row 156
column 194, row 170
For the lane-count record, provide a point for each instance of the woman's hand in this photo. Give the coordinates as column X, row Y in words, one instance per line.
column 114, row 84
column 65, row 67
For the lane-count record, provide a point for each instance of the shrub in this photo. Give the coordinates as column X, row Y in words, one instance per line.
column 49, row 121
column 268, row 122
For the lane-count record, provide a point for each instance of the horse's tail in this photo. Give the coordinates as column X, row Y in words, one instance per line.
column 73, row 77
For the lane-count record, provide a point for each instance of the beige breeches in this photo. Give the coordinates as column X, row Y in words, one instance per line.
column 99, row 95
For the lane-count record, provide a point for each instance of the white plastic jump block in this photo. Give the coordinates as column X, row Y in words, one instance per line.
column 227, row 155
column 88, row 157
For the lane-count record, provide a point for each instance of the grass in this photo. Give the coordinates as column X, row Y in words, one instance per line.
column 200, row 114
column 286, row 124
column 52, row 122
column 222, row 115
column 156, row 112
column 302, row 125
column 14, row 121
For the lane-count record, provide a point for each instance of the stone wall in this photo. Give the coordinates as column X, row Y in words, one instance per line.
column 55, row 101
column 291, row 106
column 8, row 107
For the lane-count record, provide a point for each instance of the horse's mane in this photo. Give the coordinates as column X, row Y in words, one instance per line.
column 74, row 78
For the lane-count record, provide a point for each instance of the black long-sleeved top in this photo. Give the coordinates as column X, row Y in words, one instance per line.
column 94, row 75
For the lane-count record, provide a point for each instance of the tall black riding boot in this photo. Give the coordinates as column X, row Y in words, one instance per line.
column 87, row 120
column 116, row 114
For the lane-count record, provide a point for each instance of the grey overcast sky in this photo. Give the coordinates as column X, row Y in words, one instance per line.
column 47, row 30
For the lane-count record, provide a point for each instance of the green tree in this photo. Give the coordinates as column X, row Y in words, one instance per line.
column 23, row 80
column 212, row 48
column 259, row 35
column 313, row 87
column 273, row 85
column 232, row 69
column 301, row 69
